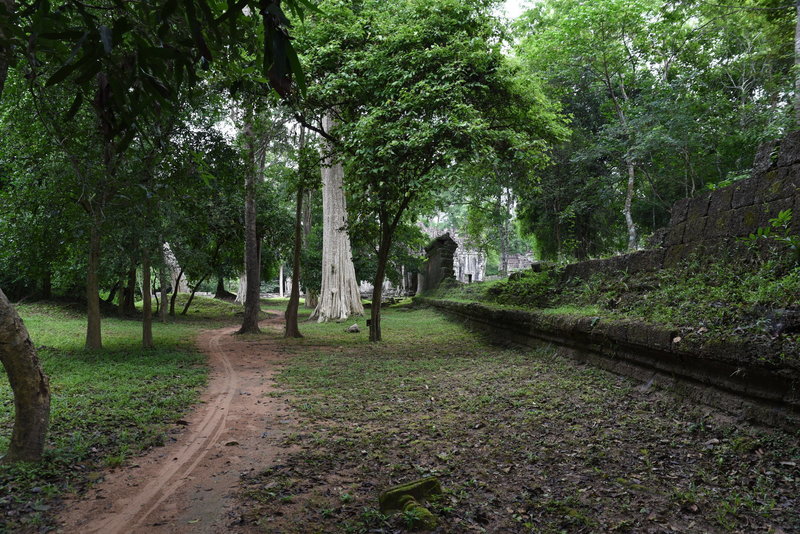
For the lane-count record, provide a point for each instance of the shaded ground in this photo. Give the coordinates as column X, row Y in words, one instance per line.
column 189, row 485
column 522, row 442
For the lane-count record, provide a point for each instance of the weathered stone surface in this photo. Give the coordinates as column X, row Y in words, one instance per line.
column 698, row 206
column 718, row 224
column 648, row 335
column 645, row 260
column 765, row 157
column 744, row 221
column 772, row 209
column 679, row 211
column 789, row 153
column 392, row 500
column 744, row 192
column 674, row 255
column 695, row 229
column 763, row 186
column 440, row 261
column 796, row 215
column 656, row 239
column 721, row 200
column 675, row 235
column 353, row 329
column 785, row 184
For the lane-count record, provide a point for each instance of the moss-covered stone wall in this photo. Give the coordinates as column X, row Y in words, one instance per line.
column 717, row 218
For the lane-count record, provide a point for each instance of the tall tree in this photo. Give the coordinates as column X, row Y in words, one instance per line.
column 413, row 118
column 339, row 296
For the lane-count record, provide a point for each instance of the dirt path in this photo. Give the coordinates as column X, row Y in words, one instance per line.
column 190, row 484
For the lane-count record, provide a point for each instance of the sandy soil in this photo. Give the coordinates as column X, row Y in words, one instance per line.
column 190, row 484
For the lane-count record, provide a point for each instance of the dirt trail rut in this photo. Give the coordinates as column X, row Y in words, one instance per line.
column 189, row 485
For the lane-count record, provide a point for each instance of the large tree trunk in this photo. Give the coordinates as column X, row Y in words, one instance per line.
column 339, row 296
column 292, row 330
column 191, row 295
column 252, row 306
column 93, row 336
column 221, row 293
column 175, row 293
column 633, row 239
column 30, row 386
column 147, row 305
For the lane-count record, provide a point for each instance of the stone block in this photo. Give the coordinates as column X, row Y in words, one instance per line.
column 674, row 255
column 718, row 225
column 770, row 210
column 646, row 260
column 695, row 228
column 721, row 200
column 796, row 216
column 764, row 184
column 675, row 235
column 765, row 157
column 789, row 153
column 679, row 211
column 785, row 184
column 744, row 192
column 656, row 239
column 698, row 206
column 647, row 335
column 744, row 221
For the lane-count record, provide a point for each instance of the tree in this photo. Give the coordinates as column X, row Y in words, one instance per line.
column 95, row 46
column 339, row 295
column 413, row 118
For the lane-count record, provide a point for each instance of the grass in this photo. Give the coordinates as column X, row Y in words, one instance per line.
column 521, row 441
column 107, row 405
column 741, row 298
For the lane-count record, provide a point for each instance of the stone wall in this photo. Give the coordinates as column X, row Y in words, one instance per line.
column 717, row 218
column 439, row 264
column 731, row 376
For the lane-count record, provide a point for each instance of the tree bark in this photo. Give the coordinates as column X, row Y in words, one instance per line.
column 222, row 293
column 377, row 289
column 147, row 305
column 175, row 293
column 292, row 330
column 633, row 238
column 93, row 335
column 30, row 385
column 163, row 281
column 339, row 296
column 47, row 285
column 252, row 306
column 310, row 296
column 191, row 295
column 128, row 304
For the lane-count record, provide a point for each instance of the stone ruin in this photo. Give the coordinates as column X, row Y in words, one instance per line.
column 439, row 264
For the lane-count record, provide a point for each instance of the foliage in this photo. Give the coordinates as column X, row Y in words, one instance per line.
column 683, row 91
column 779, row 231
column 107, row 407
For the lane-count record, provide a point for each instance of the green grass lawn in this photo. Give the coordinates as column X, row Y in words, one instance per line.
column 106, row 405
column 522, row 441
